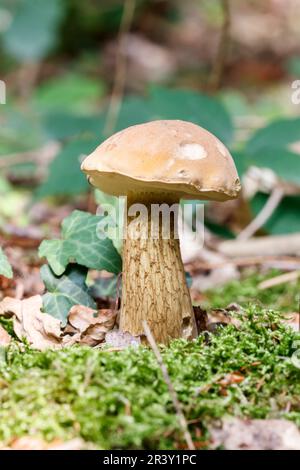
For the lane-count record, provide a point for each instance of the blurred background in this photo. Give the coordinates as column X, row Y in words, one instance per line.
column 76, row 72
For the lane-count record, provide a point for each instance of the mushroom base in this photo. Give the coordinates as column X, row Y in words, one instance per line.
column 154, row 285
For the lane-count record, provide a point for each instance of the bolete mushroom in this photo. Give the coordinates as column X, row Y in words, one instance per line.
column 154, row 163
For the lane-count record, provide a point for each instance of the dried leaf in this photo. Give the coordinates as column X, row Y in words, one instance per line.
column 81, row 317
column 41, row 330
column 91, row 329
column 257, row 434
column 5, row 338
column 94, row 335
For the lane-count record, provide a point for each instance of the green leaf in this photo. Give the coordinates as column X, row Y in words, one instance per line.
column 5, row 268
column 192, row 106
column 65, row 176
column 65, row 291
column 32, row 33
column 187, row 105
column 106, row 287
column 80, row 243
column 59, row 125
column 71, row 92
column 277, row 135
column 286, row 217
column 284, row 163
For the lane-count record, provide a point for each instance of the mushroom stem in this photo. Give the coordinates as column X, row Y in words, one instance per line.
column 154, row 285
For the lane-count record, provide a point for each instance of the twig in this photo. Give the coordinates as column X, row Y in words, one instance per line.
column 281, row 262
column 281, row 279
column 177, row 405
column 218, row 68
column 120, row 74
column 274, row 245
column 264, row 215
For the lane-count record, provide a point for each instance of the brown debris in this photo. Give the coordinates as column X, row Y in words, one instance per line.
column 5, row 338
column 88, row 326
column 41, row 330
column 257, row 434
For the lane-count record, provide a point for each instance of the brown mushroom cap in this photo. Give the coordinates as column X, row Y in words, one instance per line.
column 175, row 157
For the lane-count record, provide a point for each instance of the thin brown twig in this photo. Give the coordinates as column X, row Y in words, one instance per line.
column 264, row 215
column 281, row 279
column 288, row 262
column 224, row 43
column 271, row 245
column 120, row 74
column 176, row 403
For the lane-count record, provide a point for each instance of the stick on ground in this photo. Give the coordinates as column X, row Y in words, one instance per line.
column 177, row 405
column 281, row 279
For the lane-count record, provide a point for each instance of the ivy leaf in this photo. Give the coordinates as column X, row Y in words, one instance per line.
column 5, row 268
column 106, row 287
column 65, row 291
column 80, row 243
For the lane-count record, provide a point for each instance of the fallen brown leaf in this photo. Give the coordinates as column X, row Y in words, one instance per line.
column 81, row 317
column 94, row 334
column 41, row 330
column 5, row 338
column 90, row 326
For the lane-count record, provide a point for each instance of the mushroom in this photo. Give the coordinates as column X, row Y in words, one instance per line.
column 152, row 164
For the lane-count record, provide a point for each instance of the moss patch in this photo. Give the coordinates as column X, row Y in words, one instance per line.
column 284, row 297
column 119, row 399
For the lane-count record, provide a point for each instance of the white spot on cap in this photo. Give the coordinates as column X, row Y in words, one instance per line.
column 191, row 152
column 222, row 149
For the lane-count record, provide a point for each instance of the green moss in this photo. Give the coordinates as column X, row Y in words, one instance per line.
column 120, row 400
column 7, row 324
column 284, row 297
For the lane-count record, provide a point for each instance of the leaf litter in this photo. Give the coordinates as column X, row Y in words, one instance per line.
column 41, row 330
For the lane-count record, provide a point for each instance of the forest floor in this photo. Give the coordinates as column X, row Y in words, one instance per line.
column 110, row 399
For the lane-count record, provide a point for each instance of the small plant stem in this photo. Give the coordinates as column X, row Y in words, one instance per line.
column 177, row 405
column 264, row 215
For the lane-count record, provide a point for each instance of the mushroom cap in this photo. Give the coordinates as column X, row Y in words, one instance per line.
column 173, row 157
